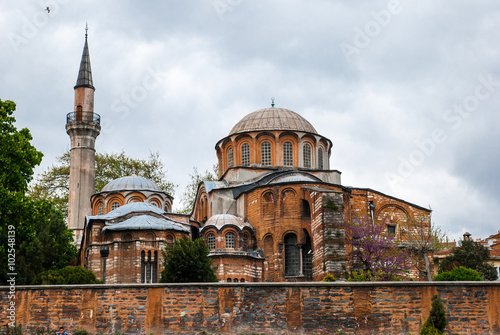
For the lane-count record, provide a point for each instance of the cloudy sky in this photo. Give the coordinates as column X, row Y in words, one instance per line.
column 408, row 91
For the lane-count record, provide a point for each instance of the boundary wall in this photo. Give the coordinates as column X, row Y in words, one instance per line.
column 249, row 308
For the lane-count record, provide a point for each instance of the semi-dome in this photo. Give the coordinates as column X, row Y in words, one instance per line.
column 131, row 183
column 273, row 119
column 220, row 221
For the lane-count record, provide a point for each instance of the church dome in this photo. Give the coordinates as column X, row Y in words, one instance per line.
column 219, row 221
column 273, row 119
column 131, row 183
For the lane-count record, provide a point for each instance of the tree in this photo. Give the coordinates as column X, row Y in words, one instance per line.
column 189, row 196
column 471, row 255
column 187, row 261
column 436, row 322
column 32, row 231
column 66, row 276
column 459, row 274
column 374, row 252
column 423, row 238
column 53, row 184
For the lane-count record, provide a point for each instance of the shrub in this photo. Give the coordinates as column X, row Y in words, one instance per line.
column 67, row 275
column 329, row 278
column 459, row 274
column 436, row 322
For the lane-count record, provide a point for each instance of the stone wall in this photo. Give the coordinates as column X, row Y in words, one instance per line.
column 246, row 308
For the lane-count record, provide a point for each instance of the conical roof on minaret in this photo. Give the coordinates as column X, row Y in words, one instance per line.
column 85, row 73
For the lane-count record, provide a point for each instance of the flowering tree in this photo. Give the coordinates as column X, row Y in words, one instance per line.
column 375, row 254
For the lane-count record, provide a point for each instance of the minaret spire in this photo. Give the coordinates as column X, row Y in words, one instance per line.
column 85, row 73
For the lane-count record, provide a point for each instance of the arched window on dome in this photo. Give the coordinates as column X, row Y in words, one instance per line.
column 211, row 241
column 287, row 154
column 306, row 153
column 265, row 153
column 320, row 159
column 99, row 209
column 291, row 255
column 229, row 238
column 115, row 205
column 230, row 162
column 245, row 154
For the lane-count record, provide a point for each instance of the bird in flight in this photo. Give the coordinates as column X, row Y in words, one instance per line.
column 47, row 9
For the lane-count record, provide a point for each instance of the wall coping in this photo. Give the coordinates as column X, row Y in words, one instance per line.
column 266, row 284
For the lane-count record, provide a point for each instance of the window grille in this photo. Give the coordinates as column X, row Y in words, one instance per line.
column 307, row 155
column 291, row 255
column 230, row 162
column 229, row 241
column 99, row 210
column 287, row 154
column 245, row 154
column 211, row 241
column 114, row 205
column 320, row 159
column 265, row 153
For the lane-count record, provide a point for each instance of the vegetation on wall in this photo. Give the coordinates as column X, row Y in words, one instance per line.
column 374, row 252
column 66, row 276
column 459, row 274
column 187, row 261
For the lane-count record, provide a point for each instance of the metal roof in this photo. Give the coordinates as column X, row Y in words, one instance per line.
column 131, row 183
column 219, row 221
column 85, row 73
column 145, row 222
column 273, row 119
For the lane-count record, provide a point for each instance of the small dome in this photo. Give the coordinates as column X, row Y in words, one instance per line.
column 220, row 220
column 273, row 119
column 131, row 183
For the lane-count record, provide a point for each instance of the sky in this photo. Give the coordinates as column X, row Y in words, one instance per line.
column 407, row 91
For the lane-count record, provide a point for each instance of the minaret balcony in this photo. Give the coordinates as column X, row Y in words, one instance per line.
column 84, row 117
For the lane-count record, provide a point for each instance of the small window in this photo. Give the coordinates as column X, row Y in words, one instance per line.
column 391, row 230
column 229, row 280
column 245, row 154
column 229, row 241
column 99, row 210
column 245, row 242
column 230, row 162
column 306, row 152
column 265, row 153
column 211, row 241
column 287, row 154
column 306, row 209
column 242, row 280
column 320, row 159
column 115, row 205
column 235, row 280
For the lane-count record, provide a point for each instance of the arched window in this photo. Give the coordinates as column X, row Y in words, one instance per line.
column 288, row 203
column 99, row 210
column 245, row 242
column 228, row 280
column 291, row 255
column 268, row 246
column 268, row 205
column 242, row 280
column 245, row 154
column 306, row 153
column 287, row 154
column 265, row 153
column 115, row 205
column 235, row 280
column 229, row 240
column 320, row 159
column 169, row 241
column 306, row 209
column 211, row 241
column 230, row 162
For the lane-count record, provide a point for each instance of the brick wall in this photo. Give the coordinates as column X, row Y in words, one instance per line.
column 270, row 308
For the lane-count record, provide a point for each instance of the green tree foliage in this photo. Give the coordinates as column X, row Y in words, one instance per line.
column 471, row 255
column 187, row 261
column 66, row 276
column 32, row 231
column 436, row 322
column 328, row 278
column 189, row 196
column 459, row 274
column 53, row 184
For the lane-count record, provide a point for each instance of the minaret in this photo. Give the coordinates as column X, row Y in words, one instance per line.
column 83, row 127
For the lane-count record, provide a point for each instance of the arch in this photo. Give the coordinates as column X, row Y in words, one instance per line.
column 127, row 237
column 265, row 133
column 242, row 280
column 230, row 157
column 241, row 137
column 320, row 159
column 235, row 280
column 244, row 241
column 134, row 198
column 229, row 280
column 267, row 204
column 100, row 208
column 268, row 245
column 292, row 266
column 288, row 203
column 114, row 202
column 306, row 208
column 169, row 240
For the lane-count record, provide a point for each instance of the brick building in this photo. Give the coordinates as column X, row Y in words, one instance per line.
column 276, row 213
